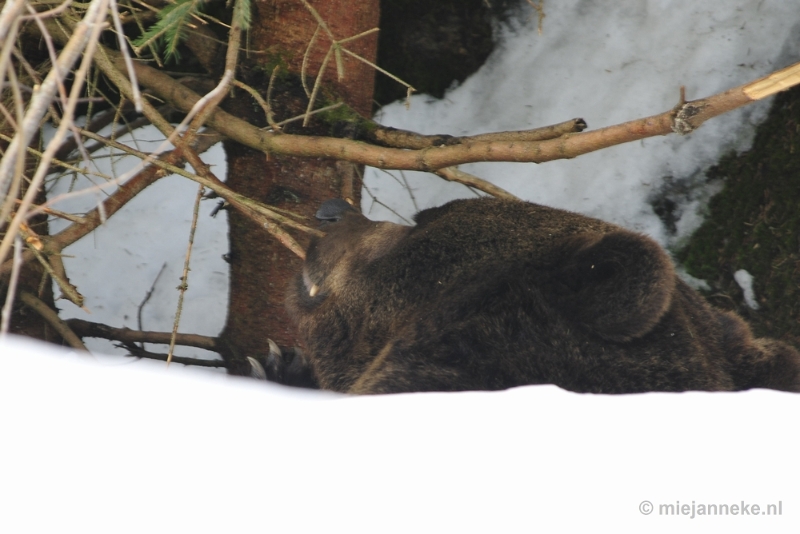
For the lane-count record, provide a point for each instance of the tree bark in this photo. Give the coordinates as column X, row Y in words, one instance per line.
column 261, row 267
column 33, row 279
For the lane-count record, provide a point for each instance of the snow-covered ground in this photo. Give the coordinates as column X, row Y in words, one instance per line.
column 92, row 448
column 117, row 447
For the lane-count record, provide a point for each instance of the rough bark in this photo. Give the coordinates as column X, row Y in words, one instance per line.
column 33, row 279
column 260, row 266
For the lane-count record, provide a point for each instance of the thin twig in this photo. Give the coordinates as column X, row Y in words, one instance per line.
column 19, row 168
column 55, row 162
column 317, row 84
column 335, row 50
column 111, row 205
column 51, row 49
column 55, row 213
column 49, row 13
column 185, row 276
column 261, row 102
column 410, row 191
column 215, row 185
column 183, row 360
column 270, row 115
column 147, row 298
column 304, row 115
column 453, row 174
column 8, row 19
column 304, row 65
column 380, row 203
column 69, row 291
column 539, row 8
column 319, row 20
column 409, row 88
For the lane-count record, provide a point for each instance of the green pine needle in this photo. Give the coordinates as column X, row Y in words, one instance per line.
column 170, row 30
column 241, row 13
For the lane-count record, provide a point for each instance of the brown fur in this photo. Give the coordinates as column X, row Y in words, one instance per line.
column 491, row 294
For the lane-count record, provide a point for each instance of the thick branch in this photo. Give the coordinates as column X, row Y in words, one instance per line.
column 126, row 335
column 689, row 117
column 691, row 114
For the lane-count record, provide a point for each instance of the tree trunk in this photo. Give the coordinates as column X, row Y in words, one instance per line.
column 33, row 279
column 260, row 266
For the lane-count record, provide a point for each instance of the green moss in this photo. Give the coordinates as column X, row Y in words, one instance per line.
column 343, row 121
column 339, row 114
column 272, row 60
column 754, row 224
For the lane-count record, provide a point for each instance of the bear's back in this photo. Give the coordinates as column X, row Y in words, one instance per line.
column 490, row 294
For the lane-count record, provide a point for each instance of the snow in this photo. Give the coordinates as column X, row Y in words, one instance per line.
column 89, row 446
column 607, row 63
column 105, row 444
column 745, row 281
column 116, row 266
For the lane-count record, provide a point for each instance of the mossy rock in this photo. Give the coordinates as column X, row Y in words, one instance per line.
column 754, row 224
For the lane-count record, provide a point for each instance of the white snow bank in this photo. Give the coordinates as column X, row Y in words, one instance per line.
column 87, row 447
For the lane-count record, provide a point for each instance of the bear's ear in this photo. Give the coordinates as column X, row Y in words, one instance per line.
column 617, row 285
column 334, row 210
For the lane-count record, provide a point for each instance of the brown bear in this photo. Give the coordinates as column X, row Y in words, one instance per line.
column 488, row 294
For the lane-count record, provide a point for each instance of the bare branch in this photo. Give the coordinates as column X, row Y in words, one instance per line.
column 126, row 335
column 395, row 138
column 56, row 270
column 259, row 213
column 54, row 244
column 123, row 46
column 433, row 158
column 245, row 204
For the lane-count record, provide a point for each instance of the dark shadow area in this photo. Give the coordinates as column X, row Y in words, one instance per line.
column 433, row 44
